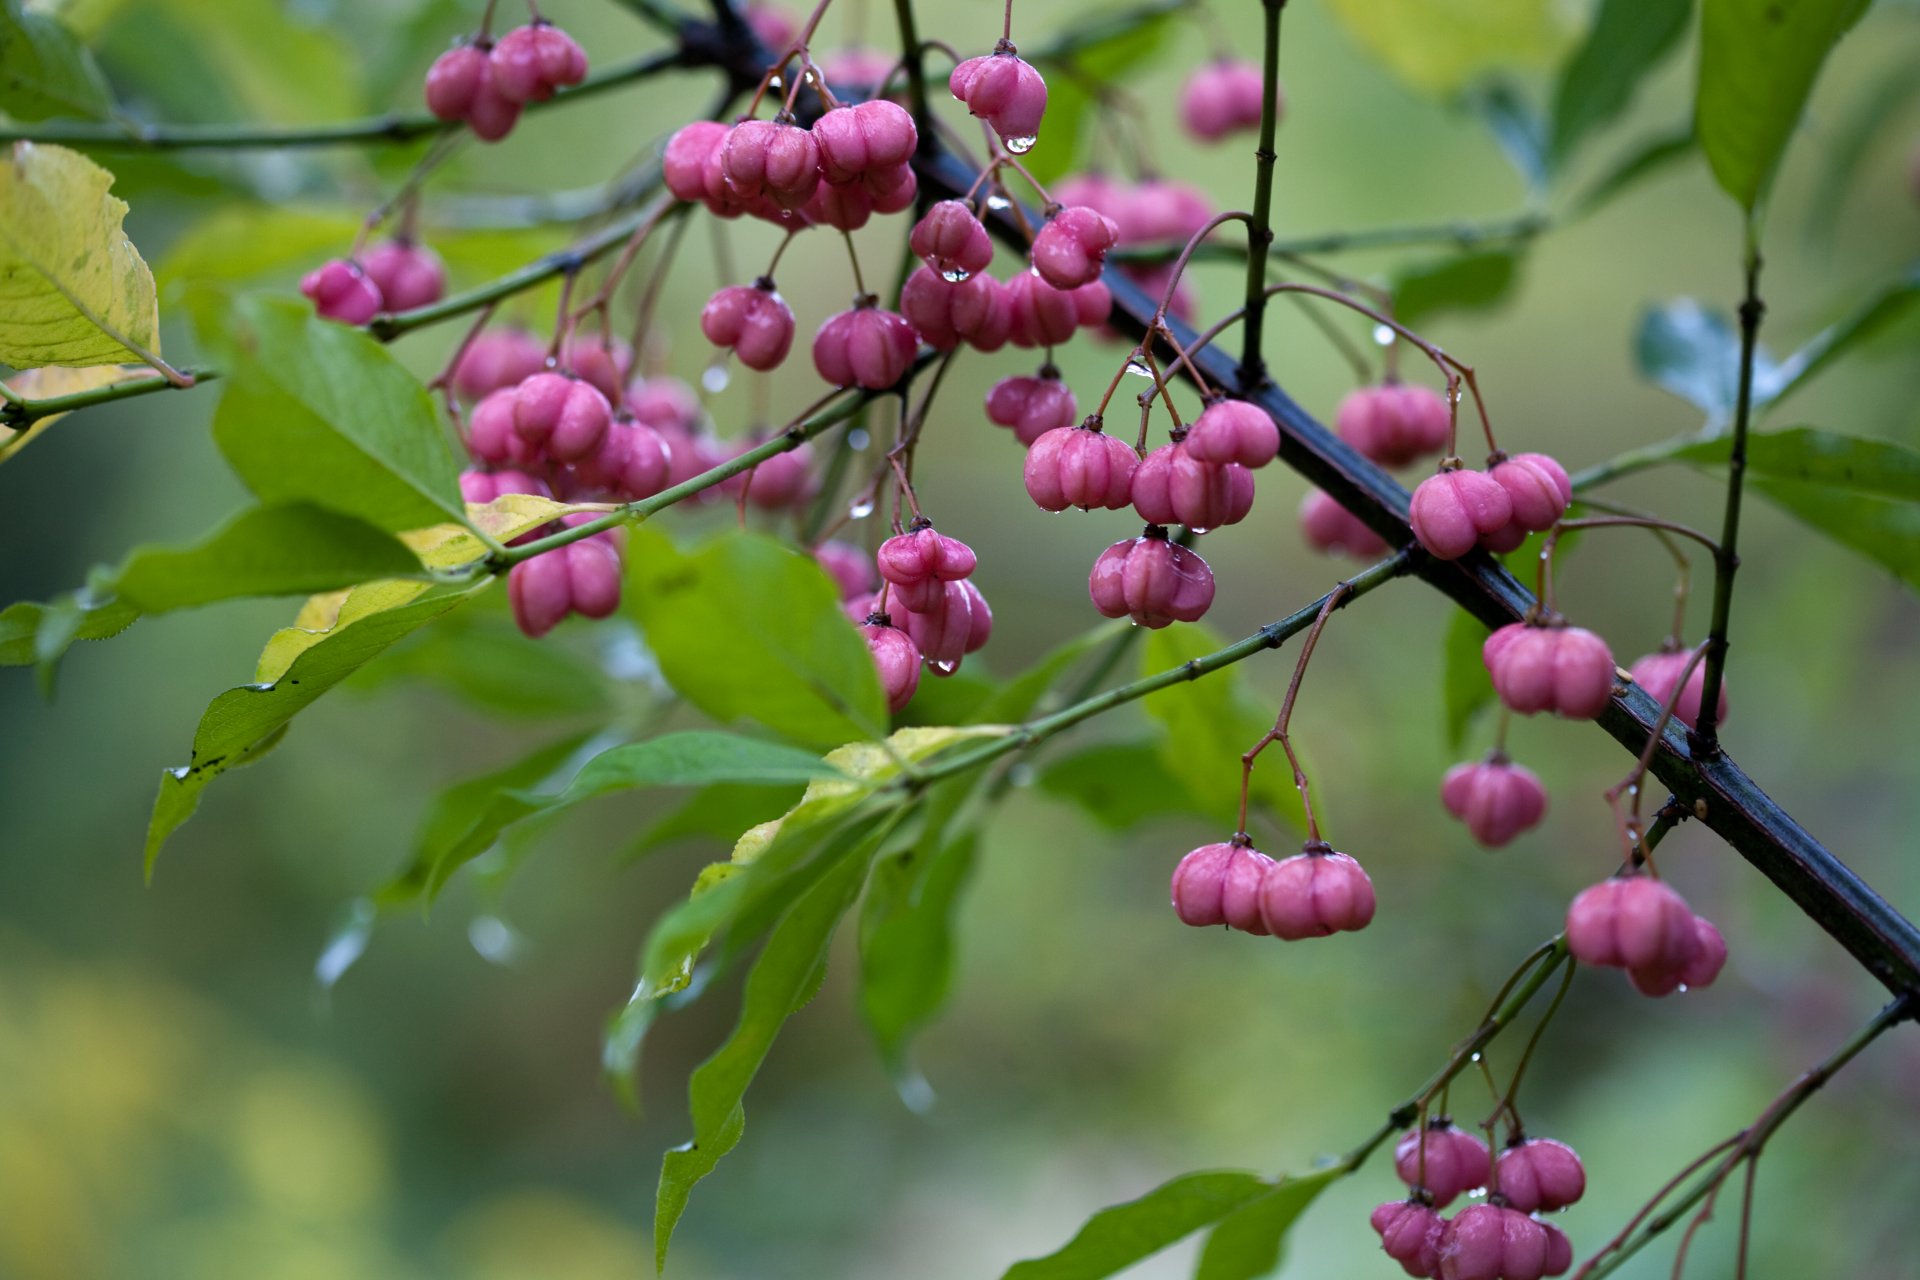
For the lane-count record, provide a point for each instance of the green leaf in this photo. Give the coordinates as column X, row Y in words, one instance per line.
column 906, row 944
column 38, row 634
column 1517, row 126
column 73, row 289
column 1120, row 785
column 1116, row 1238
column 1628, row 39
column 46, row 71
column 1758, row 62
column 268, row 551
column 1439, row 46
column 1808, row 455
column 1642, row 162
column 201, row 60
column 1105, row 46
column 1209, row 723
column 1849, row 142
column 716, row 813
column 1248, row 1242
column 747, row 627
column 1465, row 687
column 1883, row 530
column 488, row 663
column 1465, row 282
column 1886, row 306
column 692, row 758
column 319, row 412
column 1693, row 352
column 243, row 724
column 784, row 980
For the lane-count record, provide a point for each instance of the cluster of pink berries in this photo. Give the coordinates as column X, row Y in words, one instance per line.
column 927, row 610
column 397, row 275
column 1314, row 893
column 1459, row 509
column 1394, row 424
column 1221, row 97
column 1637, row 923
column 486, row 84
column 1500, row 1239
column 1154, row 211
column 852, row 164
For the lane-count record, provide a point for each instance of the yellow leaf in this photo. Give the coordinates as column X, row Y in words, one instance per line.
column 1439, row 46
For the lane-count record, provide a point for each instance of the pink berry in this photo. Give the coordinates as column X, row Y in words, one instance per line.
column 1540, row 1175
column 341, row 291
column 1538, row 488
column 1451, row 511
column 593, row 576
column 849, row 567
column 481, row 487
column 497, row 358
column 408, row 275
column 1221, row 97
column 1006, row 92
column 1219, row 884
column 1043, row 316
column 1172, row 486
column 864, row 347
column 944, row 315
column 1495, row 798
column 1071, row 248
column 1659, row 675
column 454, row 80
column 1410, row 1233
column 1331, row 528
column 771, row 160
column 601, row 359
column 917, row 562
column 492, row 115
column 844, row 206
column 1493, row 1242
column 664, row 402
column 1394, row 424
column 951, row 240
column 1080, row 467
column 1158, row 210
column 785, row 480
column 1314, row 894
column 1152, row 580
column 1559, row 1251
column 773, row 26
column 1442, row 1160
column 1234, row 431
column 684, row 164
column 1701, row 968
column 896, row 658
column 490, row 434
column 531, row 62
column 754, row 320
column 632, row 462
column 1566, row 670
column 958, row 623
column 868, row 137
column 1032, row 406
column 1635, row 922
column 541, row 592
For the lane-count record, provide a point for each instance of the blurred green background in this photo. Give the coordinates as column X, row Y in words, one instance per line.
column 179, row 1099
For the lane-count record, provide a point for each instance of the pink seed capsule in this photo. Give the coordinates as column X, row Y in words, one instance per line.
column 1664, row 978
column 1451, row 511
column 1659, row 675
column 541, row 592
column 1394, row 424
column 408, row 275
column 1006, row 92
column 490, row 434
column 455, row 80
column 1080, row 467
column 593, row 576
column 1221, row 97
column 917, row 562
column 497, row 358
column 601, row 360
column 684, row 164
column 1043, row 316
column 581, row 426
column 1632, row 923
column 1072, row 247
column 1538, row 488
column 341, row 291
column 865, row 347
column 1151, row 580
column 1314, row 894
column 850, row 568
column 1566, row 670
column 949, row 630
column 1219, row 884
column 890, row 189
column 537, row 405
column 1171, row 486
column 754, row 320
column 1159, row 211
column 896, row 658
column 944, row 315
column 1493, row 1242
column 1496, row 798
column 1032, row 406
column 771, row 160
column 951, row 241
column 1445, row 1161
column 857, row 66
column 1234, row 431
column 1559, row 1251
column 664, row 402
column 533, row 61
column 773, row 26
column 1540, row 1175
column 1410, row 1233
column 869, row 136
column 844, row 206
column 781, row 482
column 1331, row 528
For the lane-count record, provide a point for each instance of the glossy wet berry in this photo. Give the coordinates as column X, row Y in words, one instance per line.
column 1331, row 528
column 1566, row 670
column 1219, row 884
column 1044, row 316
column 1234, row 431
column 1410, row 1233
column 1443, row 1160
column 945, row 314
column 1315, row 893
column 341, row 291
column 1080, row 467
column 1005, row 91
column 1639, row 924
column 407, row 273
column 754, row 321
column 865, row 347
column 1394, row 424
column 1152, row 580
column 1709, row 956
column 917, row 562
column 461, row 85
column 771, row 160
column 1453, row 510
column 957, row 623
column 1493, row 1242
column 1032, row 406
column 1171, row 486
column 951, row 241
column 1537, row 487
column 497, row 358
column 530, row 63
column 866, row 139
column 564, row 418
column 1540, row 1175
column 1072, row 246
column 1495, row 798
column 895, row 657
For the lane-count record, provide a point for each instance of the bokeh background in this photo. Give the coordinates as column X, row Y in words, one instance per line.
column 180, row 1098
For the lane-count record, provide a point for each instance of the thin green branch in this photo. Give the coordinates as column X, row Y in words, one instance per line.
column 24, row 413
column 390, row 128
column 1461, row 235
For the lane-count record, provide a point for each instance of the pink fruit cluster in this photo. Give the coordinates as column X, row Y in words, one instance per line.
column 1537, row 667
column 1660, row 675
column 851, row 164
column 1460, row 509
column 1312, row 894
column 1005, row 91
column 581, row 577
column 1637, row 923
column 1497, row 1240
column 928, row 610
column 485, row 85
column 397, row 275
column 1222, row 97
column 1154, row 211
column 1495, row 798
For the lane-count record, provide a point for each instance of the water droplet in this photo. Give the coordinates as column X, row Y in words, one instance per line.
column 957, row 275
column 1383, row 335
column 945, row 668
column 858, row 439
column 1020, row 146
column 1139, row 369
column 1683, row 988
column 1197, row 532
column 861, row 508
column 1021, row 775
column 494, row 939
column 715, row 379
column 776, row 83
column 1475, row 1058
column 999, row 202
